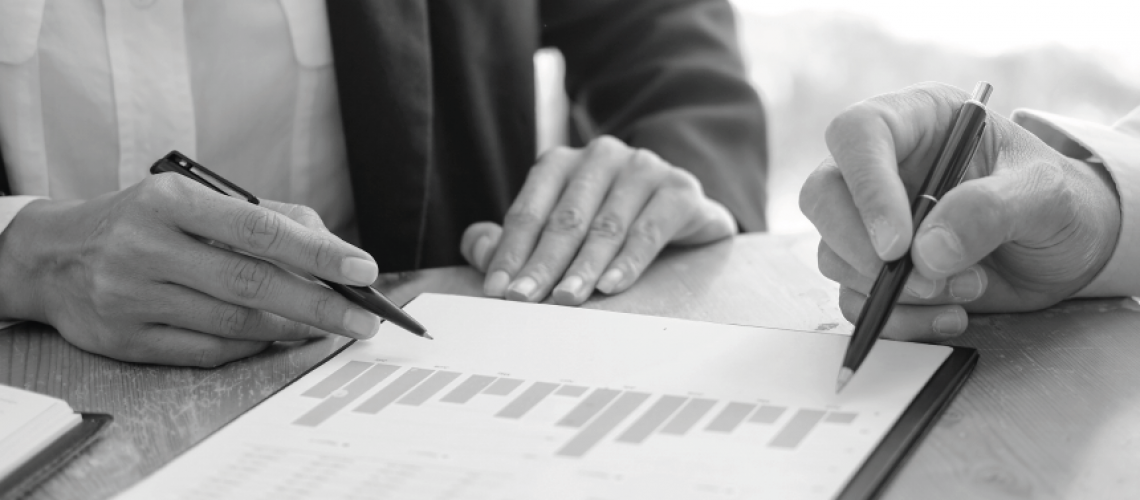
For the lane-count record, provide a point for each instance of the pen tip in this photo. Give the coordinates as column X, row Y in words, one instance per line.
column 845, row 375
column 429, row 337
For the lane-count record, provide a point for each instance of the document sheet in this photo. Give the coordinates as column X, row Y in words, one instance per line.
column 29, row 422
column 526, row 401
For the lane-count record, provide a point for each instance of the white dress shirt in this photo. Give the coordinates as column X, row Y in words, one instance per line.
column 92, row 92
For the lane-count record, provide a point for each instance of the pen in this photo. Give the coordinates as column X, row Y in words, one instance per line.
column 363, row 296
column 948, row 169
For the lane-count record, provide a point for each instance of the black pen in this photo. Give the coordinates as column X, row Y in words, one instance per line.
column 363, row 296
column 948, row 169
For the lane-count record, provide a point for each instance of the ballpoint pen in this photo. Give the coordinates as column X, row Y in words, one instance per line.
column 947, row 171
column 363, row 296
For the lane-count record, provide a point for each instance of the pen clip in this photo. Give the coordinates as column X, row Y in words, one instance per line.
column 181, row 164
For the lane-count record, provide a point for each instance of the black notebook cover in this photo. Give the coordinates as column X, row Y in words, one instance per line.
column 50, row 459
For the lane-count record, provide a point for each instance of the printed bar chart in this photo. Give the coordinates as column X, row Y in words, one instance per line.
column 651, row 420
column 588, row 408
column 426, row 390
column 688, row 416
column 468, row 389
column 797, row 429
column 527, row 400
column 730, row 417
column 592, row 434
column 355, row 389
column 599, row 413
column 337, row 380
column 767, row 414
column 571, row 390
column 397, row 388
column 503, row 387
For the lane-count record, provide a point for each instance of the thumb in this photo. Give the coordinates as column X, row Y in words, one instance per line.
column 977, row 217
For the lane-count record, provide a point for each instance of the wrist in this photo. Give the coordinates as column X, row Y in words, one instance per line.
column 1102, row 200
column 30, row 251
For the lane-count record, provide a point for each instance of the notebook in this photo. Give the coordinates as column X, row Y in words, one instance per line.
column 38, row 434
column 523, row 401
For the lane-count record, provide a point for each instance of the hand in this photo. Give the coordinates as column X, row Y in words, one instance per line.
column 592, row 217
column 127, row 275
column 1026, row 229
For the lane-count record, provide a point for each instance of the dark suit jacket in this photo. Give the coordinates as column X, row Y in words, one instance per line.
column 437, row 98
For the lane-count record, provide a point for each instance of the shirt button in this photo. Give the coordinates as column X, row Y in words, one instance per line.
column 142, row 4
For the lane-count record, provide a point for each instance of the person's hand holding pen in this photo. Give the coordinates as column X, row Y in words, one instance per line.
column 1027, row 228
column 127, row 275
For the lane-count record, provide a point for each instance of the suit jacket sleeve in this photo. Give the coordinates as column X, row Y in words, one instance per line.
column 666, row 75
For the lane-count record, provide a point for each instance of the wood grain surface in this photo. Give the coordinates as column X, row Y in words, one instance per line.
column 1052, row 411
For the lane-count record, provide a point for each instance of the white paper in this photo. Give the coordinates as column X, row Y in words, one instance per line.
column 294, row 446
column 29, row 422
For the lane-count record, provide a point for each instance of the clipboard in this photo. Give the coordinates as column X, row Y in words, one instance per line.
column 867, row 479
column 899, row 444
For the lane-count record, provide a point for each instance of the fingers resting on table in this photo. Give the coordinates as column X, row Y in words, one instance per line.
column 591, row 219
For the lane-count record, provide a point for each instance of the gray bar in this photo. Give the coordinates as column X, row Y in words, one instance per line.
column 571, row 390
column 503, row 387
column 397, row 388
column 688, row 416
column 606, row 422
column 426, row 390
column 797, row 429
column 354, row 390
column 652, row 419
column 527, row 400
column 840, row 417
column 588, row 408
column 468, row 389
column 730, row 417
column 338, row 378
column 767, row 414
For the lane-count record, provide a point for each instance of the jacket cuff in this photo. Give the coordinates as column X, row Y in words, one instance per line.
column 1118, row 148
column 9, row 207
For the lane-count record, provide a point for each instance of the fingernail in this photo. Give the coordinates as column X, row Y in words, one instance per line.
column 968, row 285
column 568, row 290
column 921, row 286
column 948, row 323
column 883, row 236
column 480, row 252
column 362, row 323
column 496, row 285
column 359, row 271
column 610, row 280
column 939, row 248
column 522, row 288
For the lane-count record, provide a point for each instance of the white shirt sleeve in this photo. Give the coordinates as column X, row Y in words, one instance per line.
column 1118, row 148
column 9, row 207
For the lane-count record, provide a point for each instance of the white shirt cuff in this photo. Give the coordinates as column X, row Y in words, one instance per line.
column 9, row 207
column 1118, row 148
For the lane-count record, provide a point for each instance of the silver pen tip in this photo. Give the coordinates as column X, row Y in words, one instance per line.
column 845, row 375
column 429, row 337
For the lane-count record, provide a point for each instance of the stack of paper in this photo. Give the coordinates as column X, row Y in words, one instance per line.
column 29, row 422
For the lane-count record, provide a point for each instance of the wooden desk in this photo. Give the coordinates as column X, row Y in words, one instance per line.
column 1053, row 410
